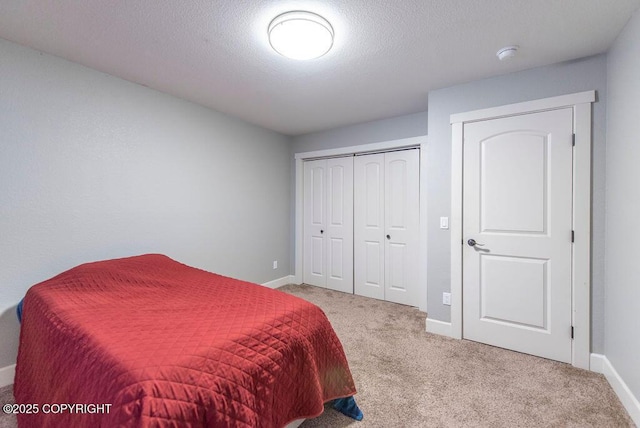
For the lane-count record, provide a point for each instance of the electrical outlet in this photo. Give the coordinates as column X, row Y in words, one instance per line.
column 275, row 264
column 446, row 299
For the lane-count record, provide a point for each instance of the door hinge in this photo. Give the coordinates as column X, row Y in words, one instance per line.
column 573, row 139
column 573, row 236
column 572, row 332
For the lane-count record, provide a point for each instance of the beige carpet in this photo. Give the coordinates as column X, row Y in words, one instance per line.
column 6, row 396
column 408, row 378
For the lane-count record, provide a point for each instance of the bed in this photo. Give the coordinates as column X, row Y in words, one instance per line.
column 166, row 345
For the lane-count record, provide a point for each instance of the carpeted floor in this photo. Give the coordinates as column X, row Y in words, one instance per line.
column 6, row 396
column 408, row 378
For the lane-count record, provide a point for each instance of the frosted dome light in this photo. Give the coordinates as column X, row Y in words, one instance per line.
column 300, row 35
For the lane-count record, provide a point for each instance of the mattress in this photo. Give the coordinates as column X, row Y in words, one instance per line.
column 146, row 341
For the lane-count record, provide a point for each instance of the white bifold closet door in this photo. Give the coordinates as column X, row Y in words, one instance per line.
column 386, row 226
column 328, row 223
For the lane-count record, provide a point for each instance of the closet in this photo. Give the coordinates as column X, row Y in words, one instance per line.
column 361, row 224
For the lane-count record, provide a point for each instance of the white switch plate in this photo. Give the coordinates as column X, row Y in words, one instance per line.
column 444, row 222
column 275, row 264
column 446, row 299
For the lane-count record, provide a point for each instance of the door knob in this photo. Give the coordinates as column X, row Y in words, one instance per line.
column 472, row 243
column 388, row 236
column 321, row 231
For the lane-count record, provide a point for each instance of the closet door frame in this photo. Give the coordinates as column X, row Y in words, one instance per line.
column 413, row 142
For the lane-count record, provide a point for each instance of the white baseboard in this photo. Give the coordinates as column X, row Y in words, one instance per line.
column 596, row 363
column 289, row 279
column 439, row 327
column 7, row 374
column 601, row 364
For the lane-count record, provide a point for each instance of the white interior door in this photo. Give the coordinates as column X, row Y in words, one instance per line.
column 402, row 225
column 339, row 225
column 369, row 226
column 314, row 244
column 517, row 207
column 328, row 223
column 386, row 226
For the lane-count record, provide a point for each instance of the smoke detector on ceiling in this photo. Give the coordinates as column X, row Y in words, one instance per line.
column 507, row 52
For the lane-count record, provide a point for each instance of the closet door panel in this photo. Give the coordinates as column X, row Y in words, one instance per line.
column 402, row 215
column 314, row 244
column 339, row 225
column 369, row 220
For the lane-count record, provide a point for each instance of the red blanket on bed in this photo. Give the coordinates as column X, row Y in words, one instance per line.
column 169, row 345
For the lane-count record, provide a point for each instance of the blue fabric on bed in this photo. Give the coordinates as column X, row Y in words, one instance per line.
column 348, row 406
column 19, row 310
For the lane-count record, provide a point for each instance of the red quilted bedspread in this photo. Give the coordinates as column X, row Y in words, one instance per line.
column 168, row 345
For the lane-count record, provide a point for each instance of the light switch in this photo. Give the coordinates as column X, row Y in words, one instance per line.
column 444, row 222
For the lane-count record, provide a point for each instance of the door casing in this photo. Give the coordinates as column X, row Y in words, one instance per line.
column 581, row 266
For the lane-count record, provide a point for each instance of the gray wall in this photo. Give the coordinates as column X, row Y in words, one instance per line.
column 395, row 128
column 94, row 167
column 559, row 79
column 622, row 308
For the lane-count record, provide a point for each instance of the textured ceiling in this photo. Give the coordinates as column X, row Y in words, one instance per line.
column 387, row 55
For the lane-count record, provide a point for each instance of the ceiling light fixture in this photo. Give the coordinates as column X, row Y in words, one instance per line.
column 507, row 52
column 300, row 35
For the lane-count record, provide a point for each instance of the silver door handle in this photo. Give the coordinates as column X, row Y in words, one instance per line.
column 473, row 243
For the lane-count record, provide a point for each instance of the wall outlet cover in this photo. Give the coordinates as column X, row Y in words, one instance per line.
column 446, row 299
